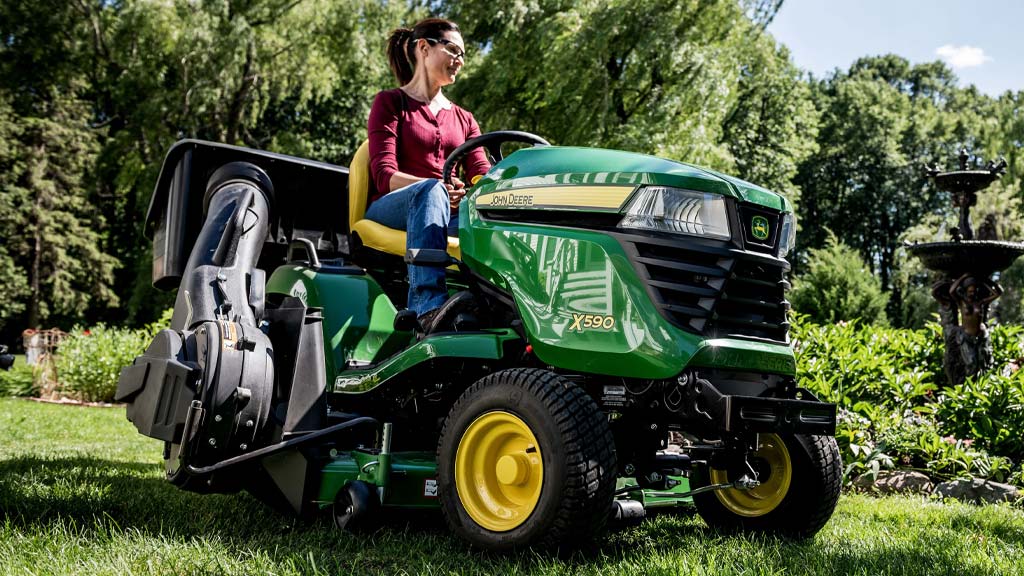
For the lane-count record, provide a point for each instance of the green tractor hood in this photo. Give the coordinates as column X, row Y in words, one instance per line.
column 556, row 165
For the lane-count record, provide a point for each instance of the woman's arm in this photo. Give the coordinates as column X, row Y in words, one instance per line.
column 476, row 163
column 382, row 128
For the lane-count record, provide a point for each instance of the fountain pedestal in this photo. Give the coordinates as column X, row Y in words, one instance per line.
column 964, row 268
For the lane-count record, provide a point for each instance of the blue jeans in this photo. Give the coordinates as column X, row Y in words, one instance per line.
column 423, row 211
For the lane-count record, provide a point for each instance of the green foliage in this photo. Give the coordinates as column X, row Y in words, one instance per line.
column 88, row 364
column 51, row 227
column 894, row 407
column 683, row 79
column 859, row 452
column 772, row 123
column 124, row 80
column 837, row 286
column 881, row 121
column 916, row 441
column 18, row 381
column 988, row 409
column 867, row 368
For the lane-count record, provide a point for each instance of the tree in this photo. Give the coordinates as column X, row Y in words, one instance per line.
column 881, row 123
column 293, row 76
column 654, row 76
column 51, row 226
column 837, row 286
column 772, row 125
column 14, row 289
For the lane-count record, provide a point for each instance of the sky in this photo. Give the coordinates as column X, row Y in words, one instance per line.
column 982, row 40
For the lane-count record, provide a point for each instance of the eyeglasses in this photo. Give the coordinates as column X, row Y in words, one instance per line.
column 450, row 47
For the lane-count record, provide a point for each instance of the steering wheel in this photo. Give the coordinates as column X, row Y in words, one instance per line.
column 492, row 142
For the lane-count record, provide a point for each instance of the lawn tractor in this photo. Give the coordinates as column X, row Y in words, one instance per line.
column 615, row 339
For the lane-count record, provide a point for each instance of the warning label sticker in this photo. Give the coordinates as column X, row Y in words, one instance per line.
column 430, row 488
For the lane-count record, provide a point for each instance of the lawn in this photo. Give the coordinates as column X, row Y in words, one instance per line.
column 82, row 493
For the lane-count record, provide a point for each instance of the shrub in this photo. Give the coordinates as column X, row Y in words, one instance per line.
column 89, row 363
column 863, row 367
column 895, row 409
column 18, row 381
column 989, row 409
column 838, row 286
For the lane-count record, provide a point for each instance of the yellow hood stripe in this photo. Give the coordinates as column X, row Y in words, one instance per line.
column 603, row 197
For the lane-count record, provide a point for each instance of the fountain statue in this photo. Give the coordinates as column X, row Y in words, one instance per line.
column 965, row 267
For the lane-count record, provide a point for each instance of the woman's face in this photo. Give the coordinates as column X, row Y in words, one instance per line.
column 443, row 57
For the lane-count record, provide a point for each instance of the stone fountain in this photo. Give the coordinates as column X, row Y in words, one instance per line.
column 964, row 267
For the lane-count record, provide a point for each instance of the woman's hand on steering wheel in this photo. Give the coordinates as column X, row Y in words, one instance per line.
column 492, row 142
column 456, row 192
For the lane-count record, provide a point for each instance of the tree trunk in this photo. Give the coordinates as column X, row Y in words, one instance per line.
column 37, row 255
column 234, row 120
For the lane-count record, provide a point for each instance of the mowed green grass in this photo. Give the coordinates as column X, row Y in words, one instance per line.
column 82, row 493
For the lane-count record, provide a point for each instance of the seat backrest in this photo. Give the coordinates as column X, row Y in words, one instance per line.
column 358, row 184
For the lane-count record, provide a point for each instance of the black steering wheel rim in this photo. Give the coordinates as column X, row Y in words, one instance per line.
column 492, row 141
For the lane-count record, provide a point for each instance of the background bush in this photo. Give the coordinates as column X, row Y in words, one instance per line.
column 851, row 363
column 895, row 407
column 18, row 381
column 838, row 286
column 989, row 409
column 88, row 364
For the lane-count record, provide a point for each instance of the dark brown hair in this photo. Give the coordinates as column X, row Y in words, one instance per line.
column 402, row 45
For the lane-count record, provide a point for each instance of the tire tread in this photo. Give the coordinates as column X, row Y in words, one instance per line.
column 585, row 503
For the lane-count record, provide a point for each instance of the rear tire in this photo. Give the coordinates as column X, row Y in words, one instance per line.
column 797, row 503
column 498, row 494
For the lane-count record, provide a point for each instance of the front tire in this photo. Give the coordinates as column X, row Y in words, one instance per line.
column 526, row 458
column 801, row 479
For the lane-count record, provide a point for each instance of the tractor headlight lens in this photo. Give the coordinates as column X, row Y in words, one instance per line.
column 679, row 211
column 787, row 236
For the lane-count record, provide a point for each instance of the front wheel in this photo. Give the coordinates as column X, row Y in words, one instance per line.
column 800, row 479
column 526, row 458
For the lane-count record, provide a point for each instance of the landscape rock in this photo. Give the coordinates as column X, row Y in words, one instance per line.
column 895, row 482
column 978, row 491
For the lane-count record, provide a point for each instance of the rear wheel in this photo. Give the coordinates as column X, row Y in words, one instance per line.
column 526, row 458
column 800, row 483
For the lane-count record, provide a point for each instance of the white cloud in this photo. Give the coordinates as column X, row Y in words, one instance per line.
column 962, row 56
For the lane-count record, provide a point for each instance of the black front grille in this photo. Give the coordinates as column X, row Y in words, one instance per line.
column 711, row 288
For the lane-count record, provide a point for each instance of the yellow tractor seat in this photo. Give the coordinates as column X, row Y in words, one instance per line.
column 373, row 234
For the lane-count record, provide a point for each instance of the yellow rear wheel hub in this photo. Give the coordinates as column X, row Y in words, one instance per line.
column 766, row 497
column 499, row 471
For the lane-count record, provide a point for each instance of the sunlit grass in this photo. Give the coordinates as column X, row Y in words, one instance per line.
column 82, row 493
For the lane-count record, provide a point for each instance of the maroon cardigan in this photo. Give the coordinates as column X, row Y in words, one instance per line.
column 424, row 143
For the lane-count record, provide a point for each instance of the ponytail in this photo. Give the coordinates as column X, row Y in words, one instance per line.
column 401, row 48
column 398, row 55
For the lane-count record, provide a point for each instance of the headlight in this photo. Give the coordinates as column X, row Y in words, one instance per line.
column 787, row 236
column 679, row 211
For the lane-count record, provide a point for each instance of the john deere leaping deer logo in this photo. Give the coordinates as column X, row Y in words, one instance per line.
column 759, row 227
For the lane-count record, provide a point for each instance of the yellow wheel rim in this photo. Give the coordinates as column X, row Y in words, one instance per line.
column 498, row 471
column 766, row 497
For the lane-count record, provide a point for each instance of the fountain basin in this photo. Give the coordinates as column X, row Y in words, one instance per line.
column 965, row 180
column 982, row 257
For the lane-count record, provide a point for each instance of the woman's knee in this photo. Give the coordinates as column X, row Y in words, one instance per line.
column 431, row 191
